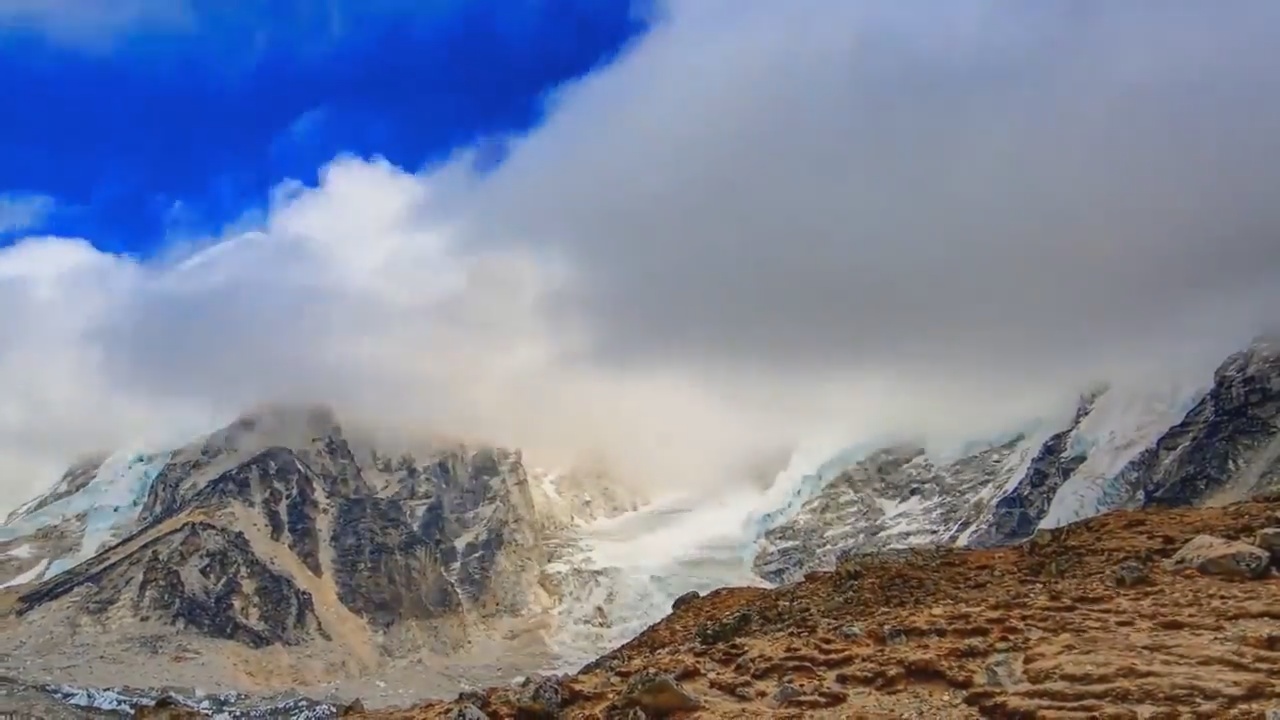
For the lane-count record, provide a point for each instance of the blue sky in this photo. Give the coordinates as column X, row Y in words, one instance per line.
column 174, row 122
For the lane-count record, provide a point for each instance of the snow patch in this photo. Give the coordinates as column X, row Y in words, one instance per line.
column 29, row 576
column 22, row 551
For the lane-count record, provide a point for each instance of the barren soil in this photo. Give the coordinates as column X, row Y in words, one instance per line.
column 1040, row 630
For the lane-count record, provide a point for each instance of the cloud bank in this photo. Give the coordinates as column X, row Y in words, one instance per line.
column 765, row 221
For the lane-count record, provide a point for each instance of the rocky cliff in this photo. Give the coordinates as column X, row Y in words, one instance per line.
column 282, row 531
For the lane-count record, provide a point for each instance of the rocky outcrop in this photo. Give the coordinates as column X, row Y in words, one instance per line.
column 1018, row 513
column 894, row 498
column 196, row 576
column 385, row 570
column 1229, row 442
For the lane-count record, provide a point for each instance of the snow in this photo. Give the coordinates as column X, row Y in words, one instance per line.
column 31, row 575
column 112, row 499
column 22, row 551
column 1122, row 423
column 633, row 566
column 811, row 468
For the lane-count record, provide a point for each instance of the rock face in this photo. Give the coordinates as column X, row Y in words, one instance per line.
column 281, row 530
column 1207, row 445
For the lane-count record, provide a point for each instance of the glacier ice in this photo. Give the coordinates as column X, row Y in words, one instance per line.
column 1122, row 423
column 112, row 499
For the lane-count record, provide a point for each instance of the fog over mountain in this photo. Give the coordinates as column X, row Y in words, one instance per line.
column 766, row 222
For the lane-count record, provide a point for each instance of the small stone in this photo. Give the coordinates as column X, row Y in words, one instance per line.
column 1130, row 574
column 851, row 632
column 1004, row 670
column 894, row 636
column 351, row 708
column 685, row 599
column 785, row 693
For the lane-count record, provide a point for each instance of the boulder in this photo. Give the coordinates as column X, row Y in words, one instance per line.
column 1269, row 540
column 658, row 694
column 1211, row 555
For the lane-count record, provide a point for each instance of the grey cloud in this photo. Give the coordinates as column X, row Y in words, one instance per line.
column 1025, row 188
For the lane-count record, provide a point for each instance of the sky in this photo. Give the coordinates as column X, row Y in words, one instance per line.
column 668, row 236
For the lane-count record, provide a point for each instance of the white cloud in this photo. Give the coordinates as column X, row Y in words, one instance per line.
column 23, row 211
column 768, row 219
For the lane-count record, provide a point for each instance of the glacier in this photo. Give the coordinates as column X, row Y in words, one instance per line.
column 1121, row 424
column 109, row 502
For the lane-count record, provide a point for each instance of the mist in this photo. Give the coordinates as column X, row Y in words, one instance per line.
column 764, row 223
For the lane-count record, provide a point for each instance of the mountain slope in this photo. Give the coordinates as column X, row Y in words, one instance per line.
column 1191, row 445
column 1088, row 620
column 285, row 552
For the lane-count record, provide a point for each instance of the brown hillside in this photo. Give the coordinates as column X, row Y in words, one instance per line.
column 1088, row 621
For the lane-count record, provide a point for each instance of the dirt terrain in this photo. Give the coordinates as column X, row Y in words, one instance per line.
column 1095, row 620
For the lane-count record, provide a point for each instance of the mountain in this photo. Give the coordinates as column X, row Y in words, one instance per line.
column 284, row 551
column 287, row 550
column 1202, row 445
column 1156, row 613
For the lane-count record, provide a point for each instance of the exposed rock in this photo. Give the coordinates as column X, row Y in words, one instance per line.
column 1004, row 671
column 1230, row 441
column 894, row 635
column 657, row 695
column 685, row 599
column 468, row 712
column 1269, row 540
column 1210, row 555
column 786, row 692
column 198, row 576
column 721, row 631
column 385, row 570
column 1213, row 446
column 540, row 697
column 1131, row 574
column 1018, row 513
column 284, row 530
column 354, row 707
column 75, row 479
column 852, row 632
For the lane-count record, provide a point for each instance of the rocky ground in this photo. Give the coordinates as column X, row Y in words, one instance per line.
column 1136, row 614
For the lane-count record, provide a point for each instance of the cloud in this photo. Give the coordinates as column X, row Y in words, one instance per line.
column 92, row 25
column 765, row 221
column 21, row 212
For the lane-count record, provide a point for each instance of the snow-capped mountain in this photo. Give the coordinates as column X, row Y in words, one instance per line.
column 1210, row 442
column 285, row 530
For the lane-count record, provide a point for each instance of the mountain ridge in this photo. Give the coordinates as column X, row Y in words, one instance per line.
column 288, row 551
